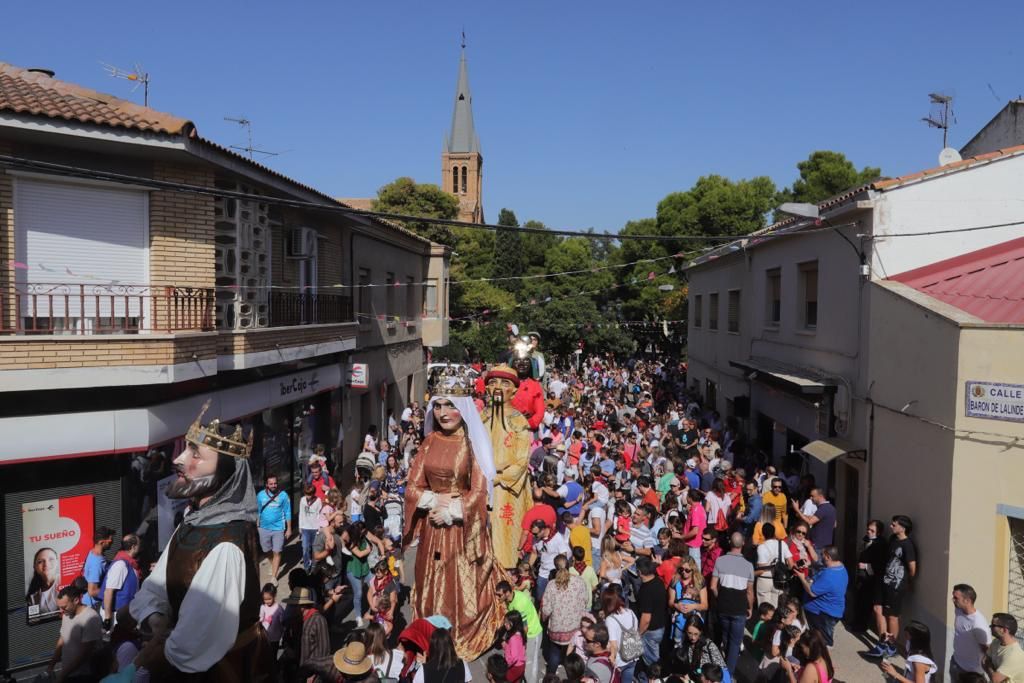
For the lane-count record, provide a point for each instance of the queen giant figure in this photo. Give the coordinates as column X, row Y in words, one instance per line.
column 446, row 508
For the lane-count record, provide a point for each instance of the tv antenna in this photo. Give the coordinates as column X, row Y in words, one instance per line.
column 942, row 111
column 247, row 124
column 137, row 77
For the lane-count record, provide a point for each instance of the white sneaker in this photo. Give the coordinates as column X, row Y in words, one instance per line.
column 359, row 622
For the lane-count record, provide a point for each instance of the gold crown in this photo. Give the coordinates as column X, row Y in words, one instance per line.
column 451, row 381
column 235, row 445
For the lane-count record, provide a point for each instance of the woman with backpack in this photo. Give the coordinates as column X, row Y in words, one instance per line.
column 687, row 595
column 624, row 644
column 774, row 567
column 387, row 662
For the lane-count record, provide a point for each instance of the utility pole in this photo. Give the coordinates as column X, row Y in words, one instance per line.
column 942, row 106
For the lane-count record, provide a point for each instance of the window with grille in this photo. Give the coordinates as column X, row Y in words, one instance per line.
column 734, row 310
column 773, row 296
column 713, row 311
column 698, row 310
column 430, row 309
column 1015, row 573
column 809, row 295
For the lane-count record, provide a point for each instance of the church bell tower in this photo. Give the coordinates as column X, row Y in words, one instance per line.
column 461, row 160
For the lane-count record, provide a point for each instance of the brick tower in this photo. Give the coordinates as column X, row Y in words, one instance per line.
column 461, row 161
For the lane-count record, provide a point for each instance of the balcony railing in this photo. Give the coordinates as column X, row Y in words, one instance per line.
column 80, row 309
column 288, row 309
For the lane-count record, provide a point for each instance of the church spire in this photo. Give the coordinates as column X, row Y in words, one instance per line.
column 463, row 137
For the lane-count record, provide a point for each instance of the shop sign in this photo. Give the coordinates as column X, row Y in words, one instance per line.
column 359, row 376
column 56, row 537
column 300, row 385
column 995, row 401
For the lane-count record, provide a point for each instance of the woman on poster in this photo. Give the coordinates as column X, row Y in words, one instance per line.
column 446, row 507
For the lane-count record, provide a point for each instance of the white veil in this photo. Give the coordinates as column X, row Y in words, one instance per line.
column 479, row 437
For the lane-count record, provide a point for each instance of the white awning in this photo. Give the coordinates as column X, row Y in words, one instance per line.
column 827, row 450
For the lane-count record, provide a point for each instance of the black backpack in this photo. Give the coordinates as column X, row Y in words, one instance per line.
column 781, row 572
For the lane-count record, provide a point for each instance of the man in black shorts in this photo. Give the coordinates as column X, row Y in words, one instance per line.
column 900, row 568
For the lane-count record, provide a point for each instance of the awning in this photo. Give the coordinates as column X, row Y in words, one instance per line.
column 801, row 380
column 827, row 450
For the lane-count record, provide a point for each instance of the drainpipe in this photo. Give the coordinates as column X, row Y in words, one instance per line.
column 871, row 447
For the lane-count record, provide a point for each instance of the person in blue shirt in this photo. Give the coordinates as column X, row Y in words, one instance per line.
column 275, row 521
column 96, row 566
column 826, row 594
column 754, row 506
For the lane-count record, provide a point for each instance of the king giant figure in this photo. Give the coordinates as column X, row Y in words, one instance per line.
column 201, row 603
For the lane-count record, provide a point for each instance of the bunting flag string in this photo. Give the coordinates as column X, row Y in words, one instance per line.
column 49, row 268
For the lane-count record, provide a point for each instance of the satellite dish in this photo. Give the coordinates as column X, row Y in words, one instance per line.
column 948, row 156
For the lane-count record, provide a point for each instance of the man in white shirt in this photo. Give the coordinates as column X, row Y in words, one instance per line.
column 970, row 633
column 550, row 544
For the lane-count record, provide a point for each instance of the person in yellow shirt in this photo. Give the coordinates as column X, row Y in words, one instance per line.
column 777, row 498
column 1004, row 662
column 579, row 536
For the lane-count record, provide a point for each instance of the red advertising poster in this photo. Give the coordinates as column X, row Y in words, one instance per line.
column 56, row 537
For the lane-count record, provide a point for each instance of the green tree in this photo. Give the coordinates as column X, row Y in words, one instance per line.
column 825, row 174
column 406, row 196
column 509, row 261
column 716, row 206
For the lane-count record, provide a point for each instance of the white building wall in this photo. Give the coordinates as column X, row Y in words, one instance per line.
column 983, row 194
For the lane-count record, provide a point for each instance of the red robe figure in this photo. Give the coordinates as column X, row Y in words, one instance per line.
column 529, row 398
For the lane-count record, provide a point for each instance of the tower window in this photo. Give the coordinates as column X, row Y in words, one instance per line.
column 461, row 96
column 464, row 174
column 455, row 179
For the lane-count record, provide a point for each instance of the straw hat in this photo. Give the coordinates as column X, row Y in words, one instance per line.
column 302, row 597
column 352, row 659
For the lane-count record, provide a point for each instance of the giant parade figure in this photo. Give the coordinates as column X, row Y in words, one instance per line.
column 529, row 397
column 510, row 440
column 449, row 484
column 200, row 606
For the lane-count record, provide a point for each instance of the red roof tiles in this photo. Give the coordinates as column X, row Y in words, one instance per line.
column 988, row 283
column 28, row 92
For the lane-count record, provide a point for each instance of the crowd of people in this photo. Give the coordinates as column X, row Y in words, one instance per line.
column 658, row 545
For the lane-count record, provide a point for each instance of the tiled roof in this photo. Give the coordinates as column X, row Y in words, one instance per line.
column 362, row 203
column 988, row 283
column 891, row 183
column 38, row 94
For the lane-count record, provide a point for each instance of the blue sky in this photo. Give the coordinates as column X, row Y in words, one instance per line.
column 588, row 112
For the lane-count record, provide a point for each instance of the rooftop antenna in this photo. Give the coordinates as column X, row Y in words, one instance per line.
column 242, row 121
column 942, row 111
column 138, row 77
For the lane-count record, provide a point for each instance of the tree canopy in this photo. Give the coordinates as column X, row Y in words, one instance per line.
column 825, row 174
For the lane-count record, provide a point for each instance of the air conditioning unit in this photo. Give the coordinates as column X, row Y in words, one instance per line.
column 301, row 242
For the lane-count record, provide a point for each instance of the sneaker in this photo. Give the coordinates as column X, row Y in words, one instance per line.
column 890, row 650
column 879, row 650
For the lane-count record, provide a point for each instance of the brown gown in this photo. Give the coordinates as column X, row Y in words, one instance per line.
column 456, row 572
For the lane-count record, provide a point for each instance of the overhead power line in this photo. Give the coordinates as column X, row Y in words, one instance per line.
column 171, row 186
